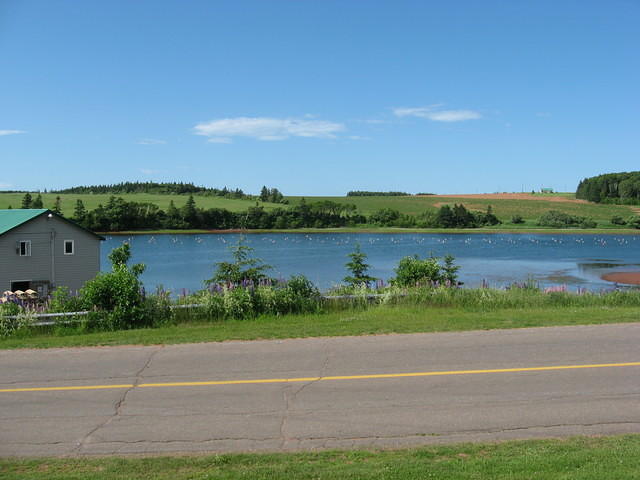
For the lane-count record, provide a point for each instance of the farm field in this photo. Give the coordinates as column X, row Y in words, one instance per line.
column 91, row 201
column 504, row 206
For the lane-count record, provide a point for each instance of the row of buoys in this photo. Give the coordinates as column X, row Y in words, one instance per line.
column 26, row 295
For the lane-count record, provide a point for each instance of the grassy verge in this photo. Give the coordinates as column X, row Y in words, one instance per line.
column 390, row 230
column 376, row 320
column 578, row 458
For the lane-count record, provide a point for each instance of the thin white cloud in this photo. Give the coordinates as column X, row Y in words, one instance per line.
column 219, row 140
column 5, row 185
column 266, row 129
column 150, row 141
column 434, row 113
column 543, row 114
column 11, row 132
column 148, row 171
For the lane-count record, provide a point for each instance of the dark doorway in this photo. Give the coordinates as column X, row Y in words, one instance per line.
column 20, row 286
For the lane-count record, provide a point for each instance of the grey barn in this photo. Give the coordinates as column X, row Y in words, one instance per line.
column 41, row 250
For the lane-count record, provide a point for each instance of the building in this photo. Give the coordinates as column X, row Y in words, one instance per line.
column 41, row 250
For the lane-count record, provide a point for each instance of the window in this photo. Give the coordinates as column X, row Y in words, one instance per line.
column 68, row 247
column 24, row 250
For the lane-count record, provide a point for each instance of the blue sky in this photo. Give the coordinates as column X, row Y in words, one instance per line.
column 319, row 97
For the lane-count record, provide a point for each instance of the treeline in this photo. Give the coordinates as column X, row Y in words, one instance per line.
column 621, row 188
column 119, row 214
column 172, row 188
column 364, row 193
column 445, row 217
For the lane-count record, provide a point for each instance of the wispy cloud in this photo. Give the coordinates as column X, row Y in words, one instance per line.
column 151, row 141
column 436, row 114
column 266, row 128
column 11, row 132
column 5, row 185
column 148, row 171
column 543, row 114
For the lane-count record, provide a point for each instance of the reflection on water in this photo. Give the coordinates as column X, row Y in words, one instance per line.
column 184, row 261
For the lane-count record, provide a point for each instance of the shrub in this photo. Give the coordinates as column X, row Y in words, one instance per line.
column 63, row 301
column 412, row 271
column 634, row 222
column 517, row 219
column 556, row 219
column 20, row 321
column 618, row 220
column 117, row 294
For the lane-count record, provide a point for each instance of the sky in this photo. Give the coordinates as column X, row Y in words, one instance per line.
column 319, row 97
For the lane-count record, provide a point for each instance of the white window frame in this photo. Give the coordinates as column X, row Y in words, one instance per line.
column 73, row 247
column 27, row 248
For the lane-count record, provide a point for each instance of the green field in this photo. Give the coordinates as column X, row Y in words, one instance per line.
column 91, row 201
column 504, row 209
column 577, row 458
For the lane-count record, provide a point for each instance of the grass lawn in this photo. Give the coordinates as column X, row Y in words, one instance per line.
column 578, row 458
column 376, row 320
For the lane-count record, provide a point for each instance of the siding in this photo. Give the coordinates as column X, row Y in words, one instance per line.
column 69, row 270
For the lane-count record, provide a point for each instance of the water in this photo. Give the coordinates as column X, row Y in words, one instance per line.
column 180, row 262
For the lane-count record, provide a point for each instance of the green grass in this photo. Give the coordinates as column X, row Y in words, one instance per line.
column 376, row 320
column 91, row 201
column 577, row 458
column 504, row 209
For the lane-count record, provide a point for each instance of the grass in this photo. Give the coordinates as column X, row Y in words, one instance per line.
column 91, row 201
column 504, row 209
column 577, row 458
column 383, row 319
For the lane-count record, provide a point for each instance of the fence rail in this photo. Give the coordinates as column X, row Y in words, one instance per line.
column 47, row 316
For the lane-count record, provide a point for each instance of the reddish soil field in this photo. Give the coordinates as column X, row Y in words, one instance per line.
column 628, row 278
column 510, row 196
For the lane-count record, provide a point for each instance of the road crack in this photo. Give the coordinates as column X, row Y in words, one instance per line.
column 120, row 403
column 290, row 395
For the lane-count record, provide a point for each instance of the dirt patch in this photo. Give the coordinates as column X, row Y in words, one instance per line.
column 509, row 196
column 628, row 278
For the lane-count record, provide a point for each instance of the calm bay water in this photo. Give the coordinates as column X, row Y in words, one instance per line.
column 180, row 262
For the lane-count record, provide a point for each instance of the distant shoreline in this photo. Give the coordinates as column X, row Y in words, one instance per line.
column 390, row 230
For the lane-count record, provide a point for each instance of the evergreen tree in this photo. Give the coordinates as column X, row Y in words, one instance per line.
column 37, row 203
column 264, row 194
column 358, row 269
column 243, row 268
column 79, row 212
column 26, row 200
column 57, row 207
column 190, row 213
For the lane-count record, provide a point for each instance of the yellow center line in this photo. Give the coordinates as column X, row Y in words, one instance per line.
column 317, row 379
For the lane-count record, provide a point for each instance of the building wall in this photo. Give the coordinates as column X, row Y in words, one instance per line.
column 47, row 235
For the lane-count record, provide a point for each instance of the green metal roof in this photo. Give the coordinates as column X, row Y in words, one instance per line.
column 10, row 219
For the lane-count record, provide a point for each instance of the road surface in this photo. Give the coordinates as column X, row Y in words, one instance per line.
column 371, row 391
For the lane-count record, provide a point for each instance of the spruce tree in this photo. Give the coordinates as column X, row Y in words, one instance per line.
column 358, row 269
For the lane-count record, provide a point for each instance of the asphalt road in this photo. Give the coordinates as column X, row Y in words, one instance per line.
column 384, row 391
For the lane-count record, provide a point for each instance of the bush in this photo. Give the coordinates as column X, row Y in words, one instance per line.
column 117, row 295
column 517, row 219
column 62, row 301
column 556, row 219
column 20, row 322
column 634, row 222
column 618, row 220
column 412, row 272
